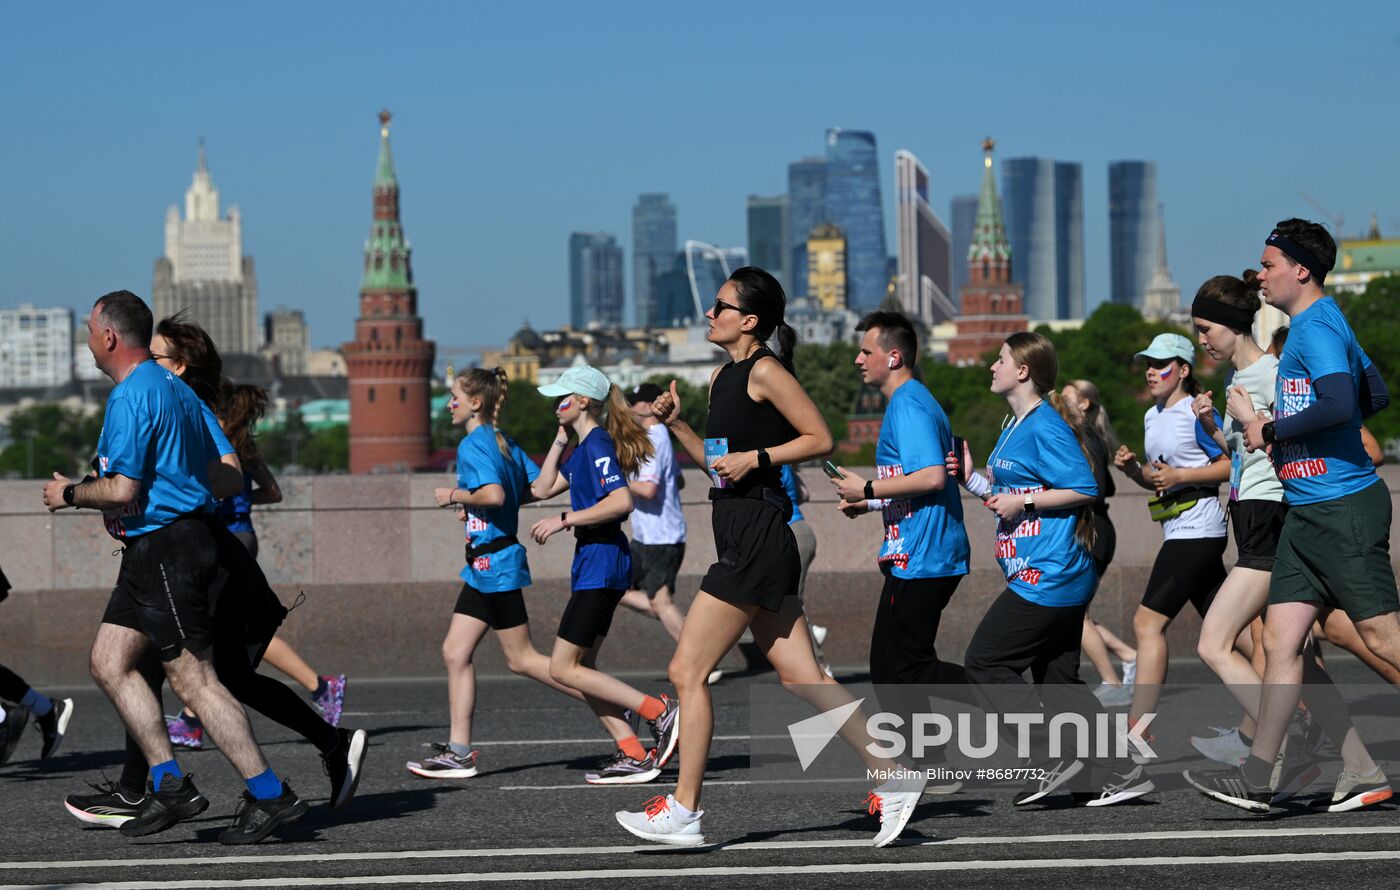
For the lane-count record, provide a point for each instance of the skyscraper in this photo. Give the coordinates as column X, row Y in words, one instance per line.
column 389, row 363
column 595, row 280
column 653, row 246
column 768, row 236
column 827, row 280
column 806, row 211
column 964, row 214
column 1045, row 225
column 853, row 203
column 924, row 276
column 1132, row 229
column 204, row 270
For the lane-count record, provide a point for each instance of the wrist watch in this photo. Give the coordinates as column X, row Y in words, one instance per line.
column 68, row 494
column 1268, row 434
column 564, row 517
column 764, row 461
column 1030, row 501
column 870, row 489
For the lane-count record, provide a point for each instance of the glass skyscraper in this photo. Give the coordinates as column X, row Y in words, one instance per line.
column 806, row 211
column 768, row 233
column 1132, row 229
column 853, row 203
column 964, row 216
column 923, row 269
column 595, row 280
column 653, row 247
column 1044, row 210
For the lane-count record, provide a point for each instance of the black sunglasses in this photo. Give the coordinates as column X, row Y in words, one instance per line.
column 720, row 306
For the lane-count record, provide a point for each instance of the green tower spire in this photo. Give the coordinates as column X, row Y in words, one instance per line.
column 989, row 242
column 387, row 251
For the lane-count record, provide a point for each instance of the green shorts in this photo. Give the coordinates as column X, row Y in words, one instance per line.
column 1337, row 554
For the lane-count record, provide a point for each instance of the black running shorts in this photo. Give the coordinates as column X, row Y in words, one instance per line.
column 500, row 611
column 758, row 560
column 1257, row 526
column 1187, row 570
column 588, row 616
column 655, row 566
column 164, row 587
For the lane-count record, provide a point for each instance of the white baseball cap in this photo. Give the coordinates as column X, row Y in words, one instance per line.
column 585, row 380
column 1168, row 346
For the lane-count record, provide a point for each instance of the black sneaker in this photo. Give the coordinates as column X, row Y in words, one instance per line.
column 12, row 730
column 176, row 801
column 54, row 725
column 1232, row 787
column 666, row 730
column 256, row 819
column 109, row 807
column 343, row 763
column 1046, row 777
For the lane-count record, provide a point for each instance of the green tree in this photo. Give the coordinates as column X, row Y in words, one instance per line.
column 50, row 437
column 1370, row 316
column 281, row 446
column 328, row 449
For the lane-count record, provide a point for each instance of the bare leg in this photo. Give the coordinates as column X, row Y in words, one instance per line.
column 1241, row 599
column 192, row 679
column 1150, row 629
column 1097, row 653
column 524, row 659
column 282, row 656
column 1120, row 649
column 571, row 665
column 672, row 618
column 112, row 661
column 463, row 636
column 1341, row 632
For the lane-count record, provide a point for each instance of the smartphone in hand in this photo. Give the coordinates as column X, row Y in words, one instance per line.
column 959, row 451
column 830, row 469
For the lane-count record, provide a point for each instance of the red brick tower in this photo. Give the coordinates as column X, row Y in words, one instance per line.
column 389, row 363
column 991, row 301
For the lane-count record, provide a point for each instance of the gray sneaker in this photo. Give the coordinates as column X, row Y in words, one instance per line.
column 444, row 764
column 1111, row 696
column 665, row 730
column 623, row 770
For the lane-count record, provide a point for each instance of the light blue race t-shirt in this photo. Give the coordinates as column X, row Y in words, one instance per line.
column 1330, row 463
column 1043, row 562
column 592, row 470
column 155, row 432
column 480, row 462
column 924, row 536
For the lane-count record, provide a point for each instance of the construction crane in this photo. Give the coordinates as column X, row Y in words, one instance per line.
column 1337, row 220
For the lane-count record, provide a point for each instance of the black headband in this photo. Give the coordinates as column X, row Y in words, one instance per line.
column 1233, row 317
column 1299, row 254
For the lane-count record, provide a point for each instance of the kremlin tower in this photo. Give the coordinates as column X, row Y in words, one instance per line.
column 992, row 304
column 389, row 362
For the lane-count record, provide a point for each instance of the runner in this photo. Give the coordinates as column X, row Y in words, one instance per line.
column 595, row 475
column 51, row 716
column 658, row 522
column 759, row 419
column 1333, row 552
column 1184, row 468
column 153, row 459
column 1082, row 408
column 1042, row 489
column 493, row 480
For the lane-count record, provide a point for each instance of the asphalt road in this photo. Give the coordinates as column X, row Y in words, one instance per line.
column 529, row 818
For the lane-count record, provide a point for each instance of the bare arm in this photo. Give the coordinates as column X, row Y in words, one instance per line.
column 644, row 490
column 225, row 476
column 95, row 494
column 614, row 507
column 490, row 495
column 911, row 485
column 1218, row 470
column 267, row 491
column 550, row 482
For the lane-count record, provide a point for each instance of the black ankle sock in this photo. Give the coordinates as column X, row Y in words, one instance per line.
column 1258, row 771
column 1248, row 740
column 320, row 687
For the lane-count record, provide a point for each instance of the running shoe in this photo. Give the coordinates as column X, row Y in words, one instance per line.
column 1225, row 746
column 1292, row 777
column 109, row 807
column 1053, row 774
column 54, row 725
column 819, row 634
column 894, row 805
column 660, row 822
column 1129, row 673
column 1111, row 696
column 332, row 701
column 1138, row 756
column 1232, row 787
column 666, row 731
column 1119, row 787
column 714, row 677
column 256, row 819
column 623, row 770
column 444, row 764
column 1354, row 792
column 343, row 764
column 183, row 733
column 12, row 730
column 174, row 801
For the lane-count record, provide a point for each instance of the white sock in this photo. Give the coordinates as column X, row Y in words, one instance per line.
column 680, row 809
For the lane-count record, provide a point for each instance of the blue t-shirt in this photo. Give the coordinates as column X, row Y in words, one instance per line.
column 592, row 470
column 235, row 510
column 924, row 536
column 1330, row 463
column 480, row 462
column 1043, row 562
column 790, row 486
column 155, row 432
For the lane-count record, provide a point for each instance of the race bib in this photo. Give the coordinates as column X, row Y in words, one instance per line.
column 1236, row 472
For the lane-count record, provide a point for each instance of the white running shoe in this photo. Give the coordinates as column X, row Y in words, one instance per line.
column 818, row 634
column 1111, row 696
column 894, row 802
column 1129, row 673
column 660, row 822
column 1354, row 792
column 1123, row 786
column 1225, row 746
column 714, row 677
column 1052, row 774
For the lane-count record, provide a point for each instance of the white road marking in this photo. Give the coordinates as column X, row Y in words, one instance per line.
column 746, row 846
column 676, row 873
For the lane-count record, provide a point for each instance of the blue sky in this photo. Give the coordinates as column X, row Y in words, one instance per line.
column 515, row 124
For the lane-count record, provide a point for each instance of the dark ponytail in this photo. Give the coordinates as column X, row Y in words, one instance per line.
column 761, row 294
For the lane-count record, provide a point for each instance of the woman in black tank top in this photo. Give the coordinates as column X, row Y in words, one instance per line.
column 760, row 418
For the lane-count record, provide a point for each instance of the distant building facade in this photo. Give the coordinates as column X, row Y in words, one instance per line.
column 36, row 346
column 806, row 211
column 853, row 203
column 827, row 265
column 595, row 280
column 204, row 270
column 1044, row 204
column 769, row 248
column 964, row 215
column 653, row 247
column 1132, row 230
column 924, row 272
column 286, row 340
